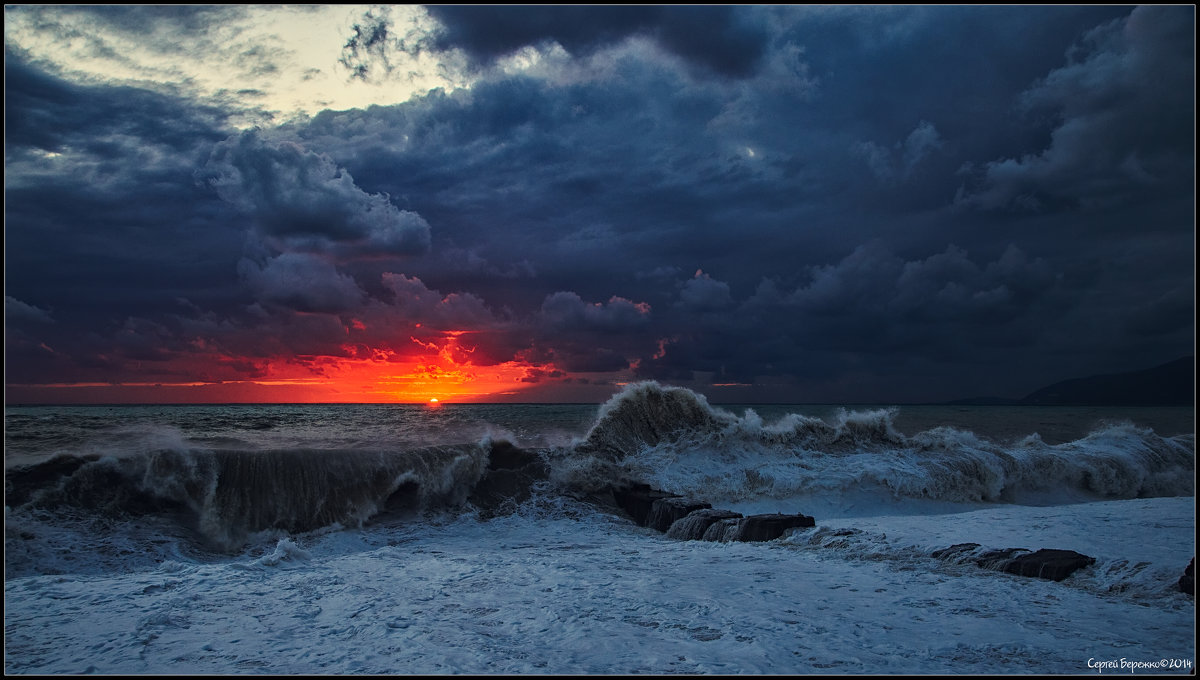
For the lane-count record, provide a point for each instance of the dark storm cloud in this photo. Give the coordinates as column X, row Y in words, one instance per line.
column 47, row 112
column 575, row 180
column 885, row 203
column 866, row 137
column 725, row 40
column 104, row 223
column 874, row 284
column 897, row 164
column 871, row 308
column 103, row 174
column 303, row 202
column 1124, row 100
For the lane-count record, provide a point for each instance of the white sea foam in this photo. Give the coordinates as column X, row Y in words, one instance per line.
column 673, row 440
column 522, row 594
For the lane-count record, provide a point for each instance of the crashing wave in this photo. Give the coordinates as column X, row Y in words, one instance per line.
column 230, row 494
column 672, row 439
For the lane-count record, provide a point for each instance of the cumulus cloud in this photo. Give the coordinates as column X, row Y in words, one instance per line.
column 565, row 310
column 899, row 162
column 17, row 312
column 579, row 336
column 386, row 46
column 301, row 201
column 704, row 293
column 414, row 301
column 301, row 282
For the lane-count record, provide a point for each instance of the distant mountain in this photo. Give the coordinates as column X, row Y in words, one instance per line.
column 1172, row 384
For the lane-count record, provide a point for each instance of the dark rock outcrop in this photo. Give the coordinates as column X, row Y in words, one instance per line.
column 755, row 528
column 666, row 511
column 663, row 511
column 1055, row 565
column 638, row 500
column 1187, row 582
column 511, row 474
column 694, row 526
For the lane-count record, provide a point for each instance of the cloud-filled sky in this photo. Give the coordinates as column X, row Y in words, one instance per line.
column 764, row 203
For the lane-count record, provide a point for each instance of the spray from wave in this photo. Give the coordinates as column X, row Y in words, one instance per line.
column 672, row 439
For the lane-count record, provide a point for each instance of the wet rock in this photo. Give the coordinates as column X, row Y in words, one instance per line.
column 1187, row 582
column 769, row 527
column 1051, row 564
column 665, row 511
column 722, row 530
column 1047, row 563
column 694, row 526
column 638, row 500
column 661, row 510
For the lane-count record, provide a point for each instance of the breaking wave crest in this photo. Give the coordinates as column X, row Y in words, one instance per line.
column 230, row 494
column 672, row 439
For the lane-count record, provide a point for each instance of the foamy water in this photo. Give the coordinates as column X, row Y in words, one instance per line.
column 350, row 540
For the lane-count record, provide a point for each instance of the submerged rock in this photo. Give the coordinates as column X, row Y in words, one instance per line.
column 955, row 551
column 1187, row 582
column 1051, row 564
column 1046, row 563
column 769, row 527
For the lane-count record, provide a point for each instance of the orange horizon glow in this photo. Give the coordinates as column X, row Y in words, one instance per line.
column 385, row 377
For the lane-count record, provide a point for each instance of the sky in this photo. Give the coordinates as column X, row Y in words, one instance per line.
column 823, row 204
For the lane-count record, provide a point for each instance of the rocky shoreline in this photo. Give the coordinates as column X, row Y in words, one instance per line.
column 512, row 471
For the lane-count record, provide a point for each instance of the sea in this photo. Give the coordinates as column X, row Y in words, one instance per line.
column 395, row 539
